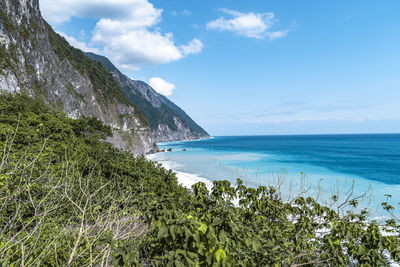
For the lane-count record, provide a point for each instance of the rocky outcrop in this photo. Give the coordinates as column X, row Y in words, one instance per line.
column 168, row 122
column 37, row 61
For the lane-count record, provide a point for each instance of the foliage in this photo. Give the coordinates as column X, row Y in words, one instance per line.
column 161, row 115
column 8, row 58
column 262, row 230
column 67, row 196
column 70, row 199
column 6, row 21
column 4, row 61
column 103, row 82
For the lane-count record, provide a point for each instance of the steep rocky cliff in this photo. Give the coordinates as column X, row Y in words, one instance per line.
column 168, row 122
column 37, row 61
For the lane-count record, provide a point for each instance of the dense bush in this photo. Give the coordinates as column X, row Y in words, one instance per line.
column 65, row 194
column 69, row 198
column 262, row 230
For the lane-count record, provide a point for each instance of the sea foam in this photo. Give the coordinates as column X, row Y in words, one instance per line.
column 184, row 178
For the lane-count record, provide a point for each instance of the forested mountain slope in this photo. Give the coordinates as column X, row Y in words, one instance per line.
column 168, row 122
column 36, row 60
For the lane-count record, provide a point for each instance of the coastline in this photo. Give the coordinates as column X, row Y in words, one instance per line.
column 157, row 145
column 188, row 179
column 184, row 178
column 197, row 163
column 181, row 141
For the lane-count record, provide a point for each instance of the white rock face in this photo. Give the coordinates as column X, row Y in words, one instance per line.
column 9, row 83
column 164, row 133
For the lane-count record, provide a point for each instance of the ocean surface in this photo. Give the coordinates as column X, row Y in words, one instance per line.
column 366, row 166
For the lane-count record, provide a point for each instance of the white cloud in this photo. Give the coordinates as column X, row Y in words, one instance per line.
column 277, row 34
column 184, row 12
column 78, row 44
column 253, row 25
column 125, row 30
column 139, row 12
column 161, row 86
column 194, row 47
column 140, row 47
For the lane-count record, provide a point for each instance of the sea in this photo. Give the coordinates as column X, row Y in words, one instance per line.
column 365, row 167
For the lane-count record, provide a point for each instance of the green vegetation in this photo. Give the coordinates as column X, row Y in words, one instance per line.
column 102, row 81
column 4, row 62
column 6, row 21
column 104, row 84
column 155, row 116
column 70, row 199
column 66, row 195
column 24, row 33
column 29, row 69
column 8, row 58
column 162, row 115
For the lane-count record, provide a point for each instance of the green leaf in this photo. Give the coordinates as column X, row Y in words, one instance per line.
column 203, row 227
column 223, row 236
column 220, row 255
column 162, row 233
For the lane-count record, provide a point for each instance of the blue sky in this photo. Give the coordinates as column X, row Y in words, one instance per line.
column 252, row 67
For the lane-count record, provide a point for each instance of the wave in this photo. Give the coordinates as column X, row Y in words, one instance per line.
column 184, row 178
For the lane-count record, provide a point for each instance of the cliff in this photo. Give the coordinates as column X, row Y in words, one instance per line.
column 167, row 121
column 36, row 60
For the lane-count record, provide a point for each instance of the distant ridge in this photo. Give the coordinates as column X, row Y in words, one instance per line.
column 168, row 122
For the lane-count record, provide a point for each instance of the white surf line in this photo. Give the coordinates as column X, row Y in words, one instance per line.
column 184, row 178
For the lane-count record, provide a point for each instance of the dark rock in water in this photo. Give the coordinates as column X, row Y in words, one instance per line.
column 169, row 149
column 162, row 150
column 184, row 149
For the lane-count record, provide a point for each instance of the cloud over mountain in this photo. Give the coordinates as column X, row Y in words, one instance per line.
column 161, row 86
column 126, row 30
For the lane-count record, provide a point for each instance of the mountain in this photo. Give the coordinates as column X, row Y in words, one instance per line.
column 37, row 61
column 167, row 121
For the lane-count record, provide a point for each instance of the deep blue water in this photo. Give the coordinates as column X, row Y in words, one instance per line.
column 327, row 164
column 372, row 156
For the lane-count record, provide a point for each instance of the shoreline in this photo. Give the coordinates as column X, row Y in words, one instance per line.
column 184, row 178
column 322, row 181
column 188, row 179
column 158, row 150
column 187, row 140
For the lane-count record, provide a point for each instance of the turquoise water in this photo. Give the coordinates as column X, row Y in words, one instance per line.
column 314, row 165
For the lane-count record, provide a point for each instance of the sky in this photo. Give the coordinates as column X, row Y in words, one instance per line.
column 252, row 67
